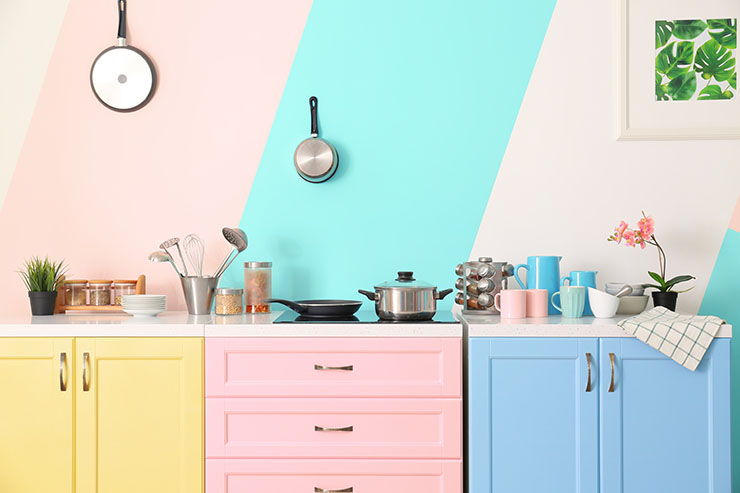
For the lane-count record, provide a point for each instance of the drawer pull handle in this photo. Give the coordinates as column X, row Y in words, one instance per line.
column 588, row 361
column 342, row 368
column 85, row 380
column 611, row 361
column 346, row 428
column 62, row 368
column 316, row 489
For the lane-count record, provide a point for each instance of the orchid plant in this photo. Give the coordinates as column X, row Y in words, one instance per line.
column 645, row 235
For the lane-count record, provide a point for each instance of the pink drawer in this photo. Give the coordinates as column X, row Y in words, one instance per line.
column 295, row 476
column 374, row 428
column 333, row 367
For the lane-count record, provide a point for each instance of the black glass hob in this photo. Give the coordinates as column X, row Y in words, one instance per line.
column 363, row 317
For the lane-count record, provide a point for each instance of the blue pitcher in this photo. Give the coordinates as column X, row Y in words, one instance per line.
column 585, row 278
column 543, row 272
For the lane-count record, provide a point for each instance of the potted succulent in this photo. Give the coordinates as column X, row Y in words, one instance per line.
column 42, row 279
column 645, row 235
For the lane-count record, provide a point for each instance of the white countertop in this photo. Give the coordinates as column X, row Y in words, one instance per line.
column 552, row 326
column 180, row 324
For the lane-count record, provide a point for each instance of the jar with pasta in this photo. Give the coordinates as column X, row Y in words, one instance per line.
column 100, row 293
column 257, row 286
column 75, row 292
column 229, row 301
column 122, row 288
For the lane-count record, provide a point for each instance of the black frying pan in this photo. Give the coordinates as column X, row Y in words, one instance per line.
column 123, row 77
column 320, row 308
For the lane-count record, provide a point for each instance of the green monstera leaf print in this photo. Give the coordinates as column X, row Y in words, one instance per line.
column 663, row 31
column 682, row 87
column 714, row 92
column 723, row 31
column 660, row 88
column 713, row 60
column 733, row 80
column 675, row 59
column 688, row 29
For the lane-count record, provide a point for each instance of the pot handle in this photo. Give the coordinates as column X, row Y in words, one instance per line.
column 290, row 304
column 371, row 295
column 443, row 293
column 122, row 19
column 313, row 103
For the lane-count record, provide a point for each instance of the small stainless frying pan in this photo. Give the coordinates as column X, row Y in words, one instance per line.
column 315, row 159
column 123, row 77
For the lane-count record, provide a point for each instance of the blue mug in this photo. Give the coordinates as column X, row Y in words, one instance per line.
column 585, row 278
column 543, row 272
column 572, row 301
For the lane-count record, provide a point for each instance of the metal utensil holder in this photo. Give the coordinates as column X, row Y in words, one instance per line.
column 198, row 293
column 472, row 273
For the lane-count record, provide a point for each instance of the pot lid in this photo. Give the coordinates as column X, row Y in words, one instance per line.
column 406, row 279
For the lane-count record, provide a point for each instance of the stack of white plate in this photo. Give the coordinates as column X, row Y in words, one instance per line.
column 144, row 305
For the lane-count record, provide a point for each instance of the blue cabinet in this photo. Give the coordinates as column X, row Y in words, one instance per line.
column 533, row 427
column 663, row 427
column 536, row 425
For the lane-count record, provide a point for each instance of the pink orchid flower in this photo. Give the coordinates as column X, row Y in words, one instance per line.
column 647, row 226
column 630, row 237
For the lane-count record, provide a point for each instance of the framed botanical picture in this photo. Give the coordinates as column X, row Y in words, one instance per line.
column 677, row 69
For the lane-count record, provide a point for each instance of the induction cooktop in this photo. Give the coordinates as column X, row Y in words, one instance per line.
column 363, row 317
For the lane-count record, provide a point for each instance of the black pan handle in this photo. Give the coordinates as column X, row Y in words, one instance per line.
column 313, row 103
column 443, row 293
column 370, row 294
column 122, row 19
column 298, row 308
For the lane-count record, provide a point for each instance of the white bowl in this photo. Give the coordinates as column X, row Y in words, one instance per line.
column 603, row 305
column 614, row 287
column 632, row 305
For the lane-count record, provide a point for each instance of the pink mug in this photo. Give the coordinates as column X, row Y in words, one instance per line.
column 537, row 302
column 512, row 303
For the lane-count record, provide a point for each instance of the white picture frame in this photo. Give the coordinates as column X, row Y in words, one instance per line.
column 638, row 115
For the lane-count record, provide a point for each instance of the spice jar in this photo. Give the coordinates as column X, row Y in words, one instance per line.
column 257, row 286
column 99, row 292
column 229, row 301
column 75, row 292
column 121, row 288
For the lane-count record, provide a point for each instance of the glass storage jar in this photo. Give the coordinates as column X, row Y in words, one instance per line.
column 123, row 287
column 99, row 292
column 75, row 292
column 257, row 286
column 229, row 301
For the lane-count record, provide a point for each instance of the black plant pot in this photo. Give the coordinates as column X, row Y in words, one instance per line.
column 42, row 302
column 667, row 300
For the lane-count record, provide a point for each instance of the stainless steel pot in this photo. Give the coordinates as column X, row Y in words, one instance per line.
column 405, row 298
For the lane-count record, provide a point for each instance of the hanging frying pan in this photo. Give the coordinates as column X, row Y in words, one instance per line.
column 123, row 77
column 315, row 159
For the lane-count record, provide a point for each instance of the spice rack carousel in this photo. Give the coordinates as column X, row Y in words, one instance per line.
column 61, row 307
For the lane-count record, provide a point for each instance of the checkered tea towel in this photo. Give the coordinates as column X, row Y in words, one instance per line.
column 683, row 338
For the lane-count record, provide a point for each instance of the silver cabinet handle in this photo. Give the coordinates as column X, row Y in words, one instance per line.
column 316, row 489
column 611, row 361
column 85, row 380
column 62, row 368
column 346, row 428
column 588, row 362
column 342, row 368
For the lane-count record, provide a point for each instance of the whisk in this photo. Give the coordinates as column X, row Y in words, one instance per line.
column 195, row 250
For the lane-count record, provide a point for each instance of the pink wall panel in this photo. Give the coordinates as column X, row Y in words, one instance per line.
column 102, row 189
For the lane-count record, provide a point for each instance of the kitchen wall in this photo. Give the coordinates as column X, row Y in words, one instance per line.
column 464, row 129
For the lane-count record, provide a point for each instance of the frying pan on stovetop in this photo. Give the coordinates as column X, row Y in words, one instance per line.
column 123, row 77
column 320, row 308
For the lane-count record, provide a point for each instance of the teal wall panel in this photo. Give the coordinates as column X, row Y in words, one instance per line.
column 420, row 98
column 722, row 299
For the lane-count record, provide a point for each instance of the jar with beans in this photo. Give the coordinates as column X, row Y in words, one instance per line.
column 229, row 301
column 100, row 292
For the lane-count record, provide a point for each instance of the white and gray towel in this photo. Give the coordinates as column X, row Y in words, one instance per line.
column 683, row 338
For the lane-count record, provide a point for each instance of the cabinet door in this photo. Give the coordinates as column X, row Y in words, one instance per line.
column 139, row 415
column 532, row 421
column 36, row 424
column 664, row 428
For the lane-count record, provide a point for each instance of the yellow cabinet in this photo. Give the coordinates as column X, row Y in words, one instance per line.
column 139, row 415
column 36, row 415
column 101, row 415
